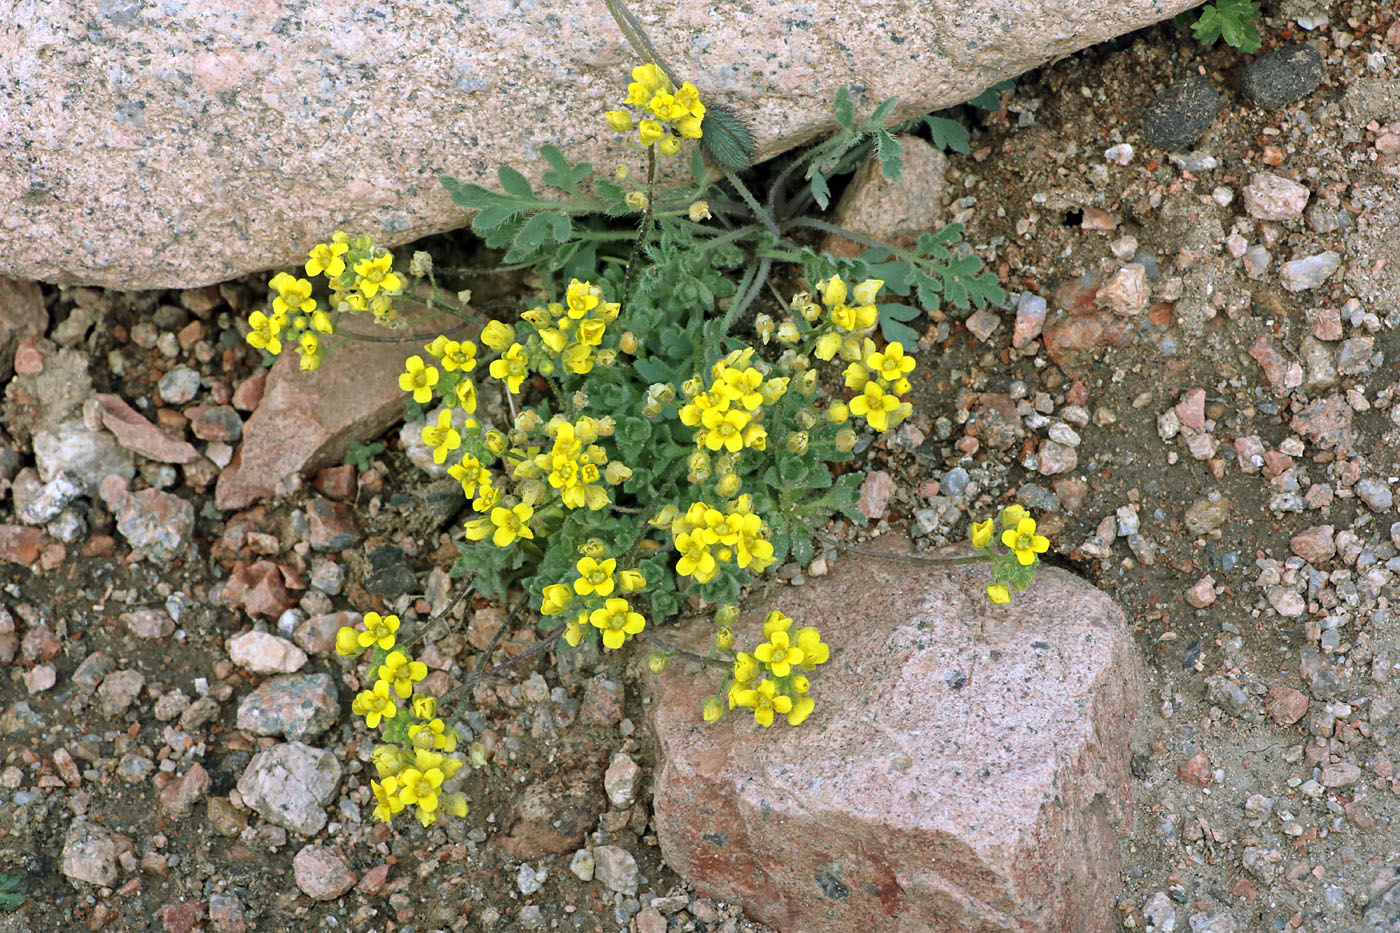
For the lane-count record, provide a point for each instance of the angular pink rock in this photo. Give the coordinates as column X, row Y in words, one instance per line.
column 896, row 211
column 22, row 314
column 184, row 205
column 966, row 766
column 1192, row 409
column 139, row 435
column 1127, row 292
column 1271, row 197
column 308, row 420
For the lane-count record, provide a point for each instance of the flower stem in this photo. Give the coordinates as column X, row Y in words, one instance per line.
column 646, row 221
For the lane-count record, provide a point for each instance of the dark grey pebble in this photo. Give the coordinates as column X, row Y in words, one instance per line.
column 1181, row 114
column 1282, row 76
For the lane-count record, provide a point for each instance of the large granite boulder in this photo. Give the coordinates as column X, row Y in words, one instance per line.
column 172, row 145
column 966, row 767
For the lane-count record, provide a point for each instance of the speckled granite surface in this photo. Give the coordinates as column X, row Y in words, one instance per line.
column 175, row 144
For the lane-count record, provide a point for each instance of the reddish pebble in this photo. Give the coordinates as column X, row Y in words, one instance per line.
column 1195, row 770
column 1203, row 593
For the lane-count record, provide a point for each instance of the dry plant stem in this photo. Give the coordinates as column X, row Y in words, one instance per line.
column 633, row 32
column 669, row 648
column 422, row 633
column 405, row 338
column 646, row 226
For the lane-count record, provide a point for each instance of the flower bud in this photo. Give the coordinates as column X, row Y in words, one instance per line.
column 606, row 356
column 838, row 413
column 724, row 639
column 712, row 709
column 699, row 210
column 586, row 430
column 845, row 440
column 669, row 145
column 663, row 392
column 650, row 409
column 700, row 465
column 621, row 172
column 421, row 264
column 528, row 420
column 851, row 350
column 533, row 491
column 664, row 518
column 833, row 291
column 497, row 335
column 606, row 426
column 637, row 200
column 657, row 662
column 807, row 382
column 693, row 386
column 726, row 615
column 773, row 389
column 619, row 120
column 797, row 442
column 631, row 581
column 496, row 442
column 617, row 472
column 787, row 332
column 593, row 548
column 728, row 485
column 627, row 343
column 478, row 755
column 827, row 346
column 865, row 292
column 806, row 419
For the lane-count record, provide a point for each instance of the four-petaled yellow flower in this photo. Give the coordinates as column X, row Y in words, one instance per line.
column 442, row 437
column 875, row 405
column 1024, row 541
column 401, row 673
column 379, row 630
column 764, row 700
column 386, row 799
column 419, row 379
column 375, row 275
column 511, row 368
column 511, row 523
column 266, row 332
column 325, row 257
column 616, row 620
column 594, row 577
column 375, row 704
column 779, row 654
column 293, row 294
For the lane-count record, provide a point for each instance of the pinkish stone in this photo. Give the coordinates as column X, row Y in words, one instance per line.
column 22, row 314
column 321, row 873
column 1202, row 594
column 353, row 396
column 1286, row 705
column 1326, row 422
column 1192, row 409
column 139, row 435
column 149, row 623
column 1195, row 770
column 966, row 766
column 1315, row 545
column 1127, row 292
column 1270, row 197
column 1281, row 373
column 896, row 211
column 184, row 205
column 179, row 797
column 875, row 494
column 265, row 653
column 1249, row 453
column 1326, row 323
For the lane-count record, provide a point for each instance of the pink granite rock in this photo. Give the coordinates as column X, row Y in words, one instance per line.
column 139, row 435
column 22, row 314
column 357, row 110
column 894, row 211
column 966, row 766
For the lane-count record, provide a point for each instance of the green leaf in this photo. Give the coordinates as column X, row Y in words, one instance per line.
column 882, row 112
column 845, row 110
column 948, row 134
column 892, row 327
column 512, row 182
column 820, row 192
column 890, row 153
column 990, row 99
column 561, row 175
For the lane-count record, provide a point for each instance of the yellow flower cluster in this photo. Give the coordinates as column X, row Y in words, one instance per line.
column 705, row 537
column 295, row 317
column 572, row 465
column 771, row 680
column 1023, row 549
column 410, row 776
column 729, row 413
column 664, row 106
column 457, row 359
column 880, row 379
column 594, row 587
column 573, row 331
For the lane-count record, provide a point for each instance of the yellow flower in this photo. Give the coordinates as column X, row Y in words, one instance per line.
column 594, row 577
column 401, row 673
column 511, row 368
column 389, row 760
column 865, row 292
column 699, row 210
column 293, row 294
column 420, row 788
column 309, row 349
column 469, row 473
column 801, row 709
column 375, row 275
column 425, row 707
column 379, row 630
column 497, row 335
column 875, row 405
column 696, row 560
column 511, row 523
column 998, row 593
column 454, row 355
column 892, row 365
column 814, row 651
column 833, row 291
column 265, row 332
column 650, row 77
column 375, row 704
column 556, row 599
column 386, row 799
column 631, row 581
column 779, row 654
column 433, row 735
column 1011, row 516
column 669, row 146
column 619, row 120
column 827, row 346
column 442, row 437
column 616, row 620
column 573, row 633
column 689, row 127
column 982, row 533
column 712, row 709
column 765, row 700
column 418, row 379
column 325, row 257
column 649, row 132
column 1025, row 542
column 465, row 394
column 347, row 642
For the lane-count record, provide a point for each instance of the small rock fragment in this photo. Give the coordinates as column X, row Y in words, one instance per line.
column 1278, row 78
column 1310, row 271
column 1272, row 197
column 1181, row 114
